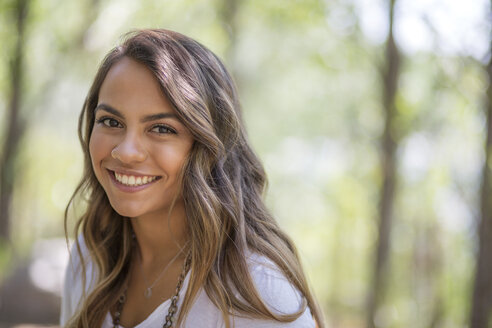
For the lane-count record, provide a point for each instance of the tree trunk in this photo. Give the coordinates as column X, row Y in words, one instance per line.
column 482, row 292
column 388, row 159
column 14, row 126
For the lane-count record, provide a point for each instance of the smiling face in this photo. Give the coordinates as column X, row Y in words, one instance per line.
column 138, row 145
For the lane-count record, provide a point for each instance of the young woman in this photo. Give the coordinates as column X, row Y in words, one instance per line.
column 175, row 232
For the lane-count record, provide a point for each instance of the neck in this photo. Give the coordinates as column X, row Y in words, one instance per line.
column 161, row 236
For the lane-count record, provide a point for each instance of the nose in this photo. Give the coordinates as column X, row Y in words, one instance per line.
column 129, row 151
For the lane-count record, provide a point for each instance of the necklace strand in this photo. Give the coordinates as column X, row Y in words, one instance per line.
column 173, row 307
column 148, row 290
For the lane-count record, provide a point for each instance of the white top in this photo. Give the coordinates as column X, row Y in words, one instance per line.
column 275, row 290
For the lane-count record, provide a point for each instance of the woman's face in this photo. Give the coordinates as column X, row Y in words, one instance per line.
column 138, row 146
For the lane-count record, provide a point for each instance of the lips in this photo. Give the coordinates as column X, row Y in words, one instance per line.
column 131, row 180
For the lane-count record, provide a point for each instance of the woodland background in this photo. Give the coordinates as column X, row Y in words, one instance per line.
column 372, row 117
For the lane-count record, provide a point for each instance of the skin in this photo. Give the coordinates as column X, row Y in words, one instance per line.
column 136, row 132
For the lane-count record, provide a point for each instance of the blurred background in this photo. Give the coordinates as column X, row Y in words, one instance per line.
column 369, row 115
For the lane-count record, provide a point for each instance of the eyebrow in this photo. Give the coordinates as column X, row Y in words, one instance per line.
column 148, row 118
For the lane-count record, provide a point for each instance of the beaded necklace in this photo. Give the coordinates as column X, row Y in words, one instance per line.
column 173, row 307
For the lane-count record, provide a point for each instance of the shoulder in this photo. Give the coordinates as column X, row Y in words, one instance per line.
column 273, row 286
column 73, row 287
column 279, row 294
column 275, row 290
column 80, row 261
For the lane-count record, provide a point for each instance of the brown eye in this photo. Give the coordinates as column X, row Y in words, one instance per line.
column 109, row 122
column 162, row 129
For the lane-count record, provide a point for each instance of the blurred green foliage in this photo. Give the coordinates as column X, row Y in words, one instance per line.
column 309, row 80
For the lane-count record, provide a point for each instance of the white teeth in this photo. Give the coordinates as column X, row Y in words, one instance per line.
column 133, row 181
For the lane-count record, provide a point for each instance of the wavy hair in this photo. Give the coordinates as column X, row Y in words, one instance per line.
column 222, row 186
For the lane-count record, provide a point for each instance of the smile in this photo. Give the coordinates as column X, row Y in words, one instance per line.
column 132, row 180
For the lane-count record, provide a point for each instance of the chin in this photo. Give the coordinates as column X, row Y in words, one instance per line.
column 127, row 210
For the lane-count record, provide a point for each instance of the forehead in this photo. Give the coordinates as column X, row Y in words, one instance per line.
column 130, row 86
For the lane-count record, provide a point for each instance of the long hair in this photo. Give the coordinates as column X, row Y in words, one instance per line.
column 222, row 186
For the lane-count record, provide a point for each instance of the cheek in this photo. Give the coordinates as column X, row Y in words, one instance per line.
column 98, row 149
column 171, row 159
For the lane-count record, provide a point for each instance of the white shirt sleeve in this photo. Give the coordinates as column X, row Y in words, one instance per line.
column 67, row 307
column 278, row 294
column 72, row 288
column 275, row 290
